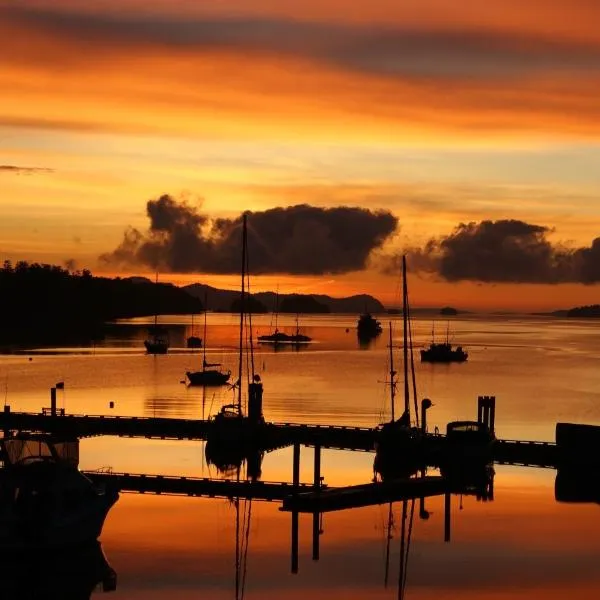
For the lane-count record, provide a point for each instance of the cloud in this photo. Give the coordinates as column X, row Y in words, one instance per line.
column 299, row 239
column 388, row 50
column 18, row 170
column 505, row 251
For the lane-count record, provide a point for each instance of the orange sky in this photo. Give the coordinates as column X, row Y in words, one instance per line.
column 439, row 113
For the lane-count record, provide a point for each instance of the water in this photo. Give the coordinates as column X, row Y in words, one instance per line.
column 522, row 544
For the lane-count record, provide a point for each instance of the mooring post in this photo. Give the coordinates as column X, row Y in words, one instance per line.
column 425, row 404
column 446, row 517
column 317, row 472
column 6, row 416
column 296, row 468
column 53, row 401
column 492, row 413
column 480, row 409
column 296, row 486
column 315, row 536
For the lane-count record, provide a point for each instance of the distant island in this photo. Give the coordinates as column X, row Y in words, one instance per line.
column 591, row 311
column 448, row 311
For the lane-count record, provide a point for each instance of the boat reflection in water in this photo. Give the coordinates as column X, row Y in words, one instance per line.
column 45, row 501
column 229, row 459
column 71, row 573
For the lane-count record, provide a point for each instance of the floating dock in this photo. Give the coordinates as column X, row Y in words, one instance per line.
column 195, row 486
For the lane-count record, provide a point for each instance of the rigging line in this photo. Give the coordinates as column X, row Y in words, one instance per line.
column 412, row 369
column 402, row 551
column 245, row 555
column 237, row 540
column 405, row 335
column 387, row 547
column 410, row 525
column 242, row 300
column 251, row 342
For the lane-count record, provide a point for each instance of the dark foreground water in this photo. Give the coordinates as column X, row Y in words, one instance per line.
column 521, row 544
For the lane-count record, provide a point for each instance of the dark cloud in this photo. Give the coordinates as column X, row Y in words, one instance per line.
column 299, row 239
column 390, row 50
column 505, row 251
column 23, row 170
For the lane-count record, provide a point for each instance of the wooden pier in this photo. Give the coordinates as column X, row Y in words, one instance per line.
column 269, row 436
column 577, row 443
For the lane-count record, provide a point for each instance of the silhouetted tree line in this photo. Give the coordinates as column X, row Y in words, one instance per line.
column 592, row 310
column 40, row 302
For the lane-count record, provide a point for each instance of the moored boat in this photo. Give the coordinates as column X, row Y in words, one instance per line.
column 211, row 374
column 443, row 352
column 368, row 326
column 45, row 501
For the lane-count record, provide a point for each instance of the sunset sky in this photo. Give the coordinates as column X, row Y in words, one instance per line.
column 437, row 112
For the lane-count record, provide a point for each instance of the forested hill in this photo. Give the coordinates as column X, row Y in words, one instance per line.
column 41, row 302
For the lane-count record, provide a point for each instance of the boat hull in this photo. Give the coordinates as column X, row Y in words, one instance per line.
column 450, row 357
column 80, row 527
column 208, row 378
column 156, row 347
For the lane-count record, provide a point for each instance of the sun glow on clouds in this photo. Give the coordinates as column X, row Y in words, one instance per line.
column 439, row 113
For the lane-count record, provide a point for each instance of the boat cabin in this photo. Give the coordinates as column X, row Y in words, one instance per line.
column 468, row 431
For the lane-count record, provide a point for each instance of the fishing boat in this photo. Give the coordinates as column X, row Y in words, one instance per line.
column 158, row 340
column 398, row 442
column 368, row 326
column 443, row 352
column 211, row 374
column 45, row 501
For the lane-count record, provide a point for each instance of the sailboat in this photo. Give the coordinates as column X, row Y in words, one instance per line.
column 280, row 337
column 211, row 373
column 230, row 429
column 194, row 341
column 398, row 443
column 158, row 342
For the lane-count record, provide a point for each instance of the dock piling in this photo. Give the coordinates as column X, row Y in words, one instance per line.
column 53, row 401
column 447, row 506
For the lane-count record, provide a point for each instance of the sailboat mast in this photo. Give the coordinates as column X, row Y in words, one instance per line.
column 156, row 308
column 242, row 307
column 405, row 332
column 204, row 332
column 392, row 377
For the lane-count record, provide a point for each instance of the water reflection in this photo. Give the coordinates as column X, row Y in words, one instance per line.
column 71, row 573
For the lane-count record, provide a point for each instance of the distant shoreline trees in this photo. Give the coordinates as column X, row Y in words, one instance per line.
column 42, row 302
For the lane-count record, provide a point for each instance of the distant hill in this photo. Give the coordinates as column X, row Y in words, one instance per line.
column 445, row 311
column 222, row 300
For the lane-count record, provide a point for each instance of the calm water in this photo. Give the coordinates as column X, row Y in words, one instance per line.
column 523, row 544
